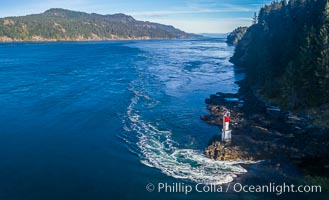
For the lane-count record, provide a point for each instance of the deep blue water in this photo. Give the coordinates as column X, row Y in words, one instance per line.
column 101, row 120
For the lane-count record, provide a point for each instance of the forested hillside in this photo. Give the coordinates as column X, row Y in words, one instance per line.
column 60, row 24
column 236, row 35
column 286, row 52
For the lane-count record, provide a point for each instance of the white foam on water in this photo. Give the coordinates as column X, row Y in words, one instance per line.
column 158, row 150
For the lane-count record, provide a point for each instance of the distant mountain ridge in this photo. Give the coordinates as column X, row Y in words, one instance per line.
column 58, row 24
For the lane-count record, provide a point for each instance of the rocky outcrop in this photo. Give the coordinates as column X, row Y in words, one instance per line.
column 262, row 132
column 225, row 151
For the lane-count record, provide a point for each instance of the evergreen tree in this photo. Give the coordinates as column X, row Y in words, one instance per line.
column 63, row 24
column 286, row 52
column 307, row 63
column 255, row 19
column 290, row 84
column 322, row 70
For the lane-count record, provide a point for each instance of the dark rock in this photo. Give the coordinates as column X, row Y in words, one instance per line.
column 262, row 132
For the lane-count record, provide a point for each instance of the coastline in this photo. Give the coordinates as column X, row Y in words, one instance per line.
column 264, row 132
column 86, row 40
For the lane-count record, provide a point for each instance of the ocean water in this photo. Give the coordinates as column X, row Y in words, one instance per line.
column 102, row 120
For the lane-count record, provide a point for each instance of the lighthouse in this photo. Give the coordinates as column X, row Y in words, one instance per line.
column 226, row 132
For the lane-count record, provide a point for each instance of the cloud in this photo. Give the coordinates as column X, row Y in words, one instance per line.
column 223, row 25
column 175, row 12
column 193, row 9
column 34, row 7
column 198, row 16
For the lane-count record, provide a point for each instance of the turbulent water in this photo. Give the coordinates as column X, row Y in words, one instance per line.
column 170, row 80
column 85, row 120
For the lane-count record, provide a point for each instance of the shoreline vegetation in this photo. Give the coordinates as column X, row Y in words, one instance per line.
column 281, row 111
column 58, row 24
column 9, row 40
column 286, row 54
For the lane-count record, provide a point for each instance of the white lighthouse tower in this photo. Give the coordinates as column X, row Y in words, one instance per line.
column 226, row 132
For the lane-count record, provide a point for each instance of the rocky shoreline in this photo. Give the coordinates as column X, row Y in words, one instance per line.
column 264, row 132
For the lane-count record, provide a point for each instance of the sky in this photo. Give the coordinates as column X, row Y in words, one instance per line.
column 193, row 16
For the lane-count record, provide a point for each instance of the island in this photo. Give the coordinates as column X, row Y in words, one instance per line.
column 58, row 24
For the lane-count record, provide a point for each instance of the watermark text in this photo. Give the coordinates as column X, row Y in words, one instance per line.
column 185, row 188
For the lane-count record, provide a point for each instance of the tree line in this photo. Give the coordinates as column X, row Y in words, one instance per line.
column 286, row 52
column 60, row 24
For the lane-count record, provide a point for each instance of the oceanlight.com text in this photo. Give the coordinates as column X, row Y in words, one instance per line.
column 278, row 189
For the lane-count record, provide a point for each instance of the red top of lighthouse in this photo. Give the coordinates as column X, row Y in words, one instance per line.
column 227, row 116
